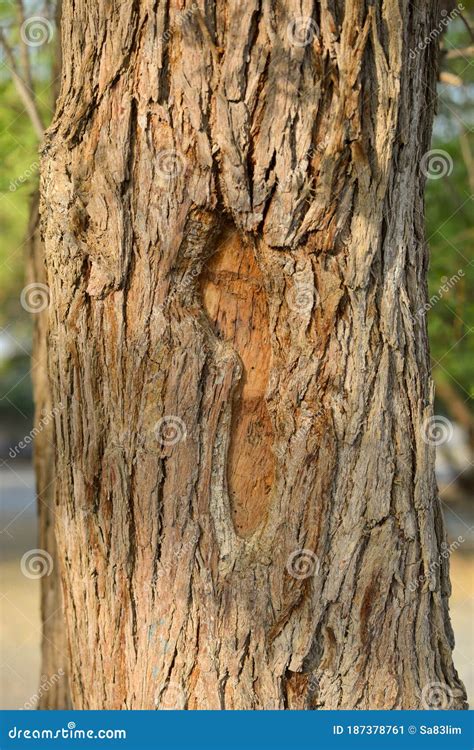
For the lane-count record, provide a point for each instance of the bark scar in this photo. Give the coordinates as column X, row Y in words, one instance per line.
column 235, row 300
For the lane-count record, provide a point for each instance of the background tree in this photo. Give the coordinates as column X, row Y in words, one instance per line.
column 450, row 230
column 23, row 41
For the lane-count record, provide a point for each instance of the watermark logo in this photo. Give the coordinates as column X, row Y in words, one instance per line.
column 447, row 284
column 301, row 31
column 433, row 567
column 36, row 563
column 170, row 164
column 36, row 31
column 44, row 421
column 180, row 19
column 302, row 563
column 46, row 683
column 170, row 430
column 437, row 696
column 301, row 298
column 438, row 30
column 437, row 430
column 171, row 699
column 436, row 164
column 29, row 172
column 35, row 298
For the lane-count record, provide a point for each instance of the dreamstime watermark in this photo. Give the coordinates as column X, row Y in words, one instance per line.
column 27, row 174
column 170, row 430
column 171, row 698
column 302, row 563
column 301, row 31
column 446, row 18
column 302, row 297
column 46, row 683
column 313, row 687
column 35, row 297
column 437, row 696
column 179, row 19
column 28, row 439
column 170, row 164
column 437, row 430
column 36, row 563
column 36, row 31
column 434, row 566
column 445, row 287
column 436, row 164
column 318, row 148
column 67, row 733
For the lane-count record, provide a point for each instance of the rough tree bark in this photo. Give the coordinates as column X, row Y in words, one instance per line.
column 54, row 646
column 233, row 216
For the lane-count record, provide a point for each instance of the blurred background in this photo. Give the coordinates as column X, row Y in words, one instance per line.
column 29, row 66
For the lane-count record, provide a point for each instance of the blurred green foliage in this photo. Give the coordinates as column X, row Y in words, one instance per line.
column 19, row 176
column 450, row 221
column 18, row 152
column 19, row 157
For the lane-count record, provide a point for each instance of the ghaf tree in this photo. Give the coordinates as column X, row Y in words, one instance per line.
column 233, row 218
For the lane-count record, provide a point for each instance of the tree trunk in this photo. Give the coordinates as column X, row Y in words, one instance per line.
column 233, row 215
column 54, row 646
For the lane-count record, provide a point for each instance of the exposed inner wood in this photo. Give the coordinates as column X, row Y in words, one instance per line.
column 235, row 300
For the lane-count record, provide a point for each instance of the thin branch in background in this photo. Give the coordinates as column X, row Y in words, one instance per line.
column 451, row 79
column 57, row 58
column 467, row 25
column 453, row 54
column 26, row 94
column 24, row 51
column 50, row 8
